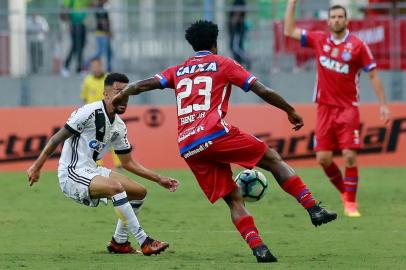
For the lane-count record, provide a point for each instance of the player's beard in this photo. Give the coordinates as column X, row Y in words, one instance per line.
column 120, row 109
column 338, row 29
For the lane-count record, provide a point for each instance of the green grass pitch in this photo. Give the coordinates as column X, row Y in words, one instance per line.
column 41, row 229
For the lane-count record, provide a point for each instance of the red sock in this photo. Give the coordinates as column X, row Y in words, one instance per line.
column 335, row 176
column 295, row 187
column 351, row 183
column 246, row 226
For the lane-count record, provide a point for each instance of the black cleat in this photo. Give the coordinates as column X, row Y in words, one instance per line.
column 263, row 254
column 319, row 215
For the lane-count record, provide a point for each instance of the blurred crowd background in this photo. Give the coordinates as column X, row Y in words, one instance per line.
column 48, row 47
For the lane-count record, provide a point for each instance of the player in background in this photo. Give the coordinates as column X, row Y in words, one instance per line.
column 92, row 90
column 340, row 56
column 87, row 135
column 93, row 83
column 209, row 145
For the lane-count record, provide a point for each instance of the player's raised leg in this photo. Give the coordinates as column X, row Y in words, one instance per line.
column 102, row 187
column 293, row 184
column 350, row 183
column 244, row 223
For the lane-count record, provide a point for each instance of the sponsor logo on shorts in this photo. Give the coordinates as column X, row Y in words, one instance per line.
column 77, row 196
column 190, row 132
column 198, row 149
column 88, row 170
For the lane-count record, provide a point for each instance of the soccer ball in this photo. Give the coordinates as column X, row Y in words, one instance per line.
column 253, row 185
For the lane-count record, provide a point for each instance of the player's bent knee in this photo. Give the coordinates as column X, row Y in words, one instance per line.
column 271, row 157
column 350, row 161
column 115, row 187
column 142, row 193
column 324, row 161
column 350, row 158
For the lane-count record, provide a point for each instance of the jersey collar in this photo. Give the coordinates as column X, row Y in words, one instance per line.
column 202, row 53
column 105, row 112
column 339, row 41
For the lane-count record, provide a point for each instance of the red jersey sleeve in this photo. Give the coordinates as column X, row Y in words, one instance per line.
column 238, row 75
column 166, row 77
column 309, row 38
column 367, row 59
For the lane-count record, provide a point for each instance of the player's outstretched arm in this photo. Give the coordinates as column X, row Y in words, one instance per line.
column 136, row 88
column 137, row 168
column 290, row 28
column 35, row 170
column 380, row 93
column 273, row 98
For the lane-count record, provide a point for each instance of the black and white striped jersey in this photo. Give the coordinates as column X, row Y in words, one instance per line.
column 93, row 135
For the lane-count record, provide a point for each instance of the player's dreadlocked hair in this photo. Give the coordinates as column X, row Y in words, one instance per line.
column 115, row 77
column 202, row 35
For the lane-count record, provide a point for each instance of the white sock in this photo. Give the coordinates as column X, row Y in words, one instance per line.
column 125, row 212
column 121, row 233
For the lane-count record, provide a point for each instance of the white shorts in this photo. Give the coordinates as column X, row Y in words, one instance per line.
column 75, row 183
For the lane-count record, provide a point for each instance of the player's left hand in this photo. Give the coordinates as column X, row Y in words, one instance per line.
column 385, row 113
column 169, row 183
column 296, row 120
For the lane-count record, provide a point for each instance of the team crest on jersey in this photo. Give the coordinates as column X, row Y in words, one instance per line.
column 326, row 48
column 346, row 56
column 334, row 52
column 79, row 127
column 97, row 146
column 204, row 67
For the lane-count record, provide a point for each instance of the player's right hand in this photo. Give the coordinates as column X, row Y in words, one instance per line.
column 385, row 113
column 169, row 183
column 33, row 175
column 296, row 120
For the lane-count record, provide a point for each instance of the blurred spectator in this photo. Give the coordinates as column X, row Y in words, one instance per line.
column 93, row 90
column 384, row 8
column 37, row 27
column 103, row 34
column 74, row 13
column 93, row 84
column 237, row 30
